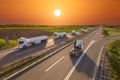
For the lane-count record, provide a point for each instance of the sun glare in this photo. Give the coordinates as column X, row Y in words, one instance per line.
column 57, row 12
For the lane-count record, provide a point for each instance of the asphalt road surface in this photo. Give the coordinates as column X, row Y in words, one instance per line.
column 11, row 55
column 62, row 66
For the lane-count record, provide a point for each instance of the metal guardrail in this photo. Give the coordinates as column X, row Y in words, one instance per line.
column 50, row 49
column 103, row 68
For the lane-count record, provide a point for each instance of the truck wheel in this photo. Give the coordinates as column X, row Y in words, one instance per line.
column 54, row 38
column 24, row 46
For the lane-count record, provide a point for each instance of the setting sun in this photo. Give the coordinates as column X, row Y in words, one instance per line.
column 57, row 12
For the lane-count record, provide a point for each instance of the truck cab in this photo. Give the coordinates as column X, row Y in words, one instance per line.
column 59, row 35
column 77, row 50
column 23, row 42
column 73, row 32
column 78, row 43
column 56, row 35
column 82, row 31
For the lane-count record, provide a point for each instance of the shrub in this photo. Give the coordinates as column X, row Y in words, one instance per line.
column 3, row 44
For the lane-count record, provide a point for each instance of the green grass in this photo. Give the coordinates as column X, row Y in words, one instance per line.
column 66, row 29
column 107, row 31
column 55, row 28
column 114, row 59
column 4, row 45
column 42, row 27
column 61, row 30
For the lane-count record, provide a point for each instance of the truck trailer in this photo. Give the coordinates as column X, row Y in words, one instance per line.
column 26, row 42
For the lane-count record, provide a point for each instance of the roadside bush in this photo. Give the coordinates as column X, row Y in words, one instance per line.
column 105, row 32
column 3, row 44
column 12, row 43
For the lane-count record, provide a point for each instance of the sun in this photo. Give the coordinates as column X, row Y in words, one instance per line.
column 57, row 12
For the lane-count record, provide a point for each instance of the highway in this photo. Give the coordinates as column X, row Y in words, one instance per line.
column 11, row 55
column 63, row 67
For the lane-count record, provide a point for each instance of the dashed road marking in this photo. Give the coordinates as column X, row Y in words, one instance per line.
column 54, row 64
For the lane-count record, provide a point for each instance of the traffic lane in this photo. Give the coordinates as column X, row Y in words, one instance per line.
column 5, row 52
column 17, row 51
column 80, row 73
column 59, row 41
column 62, row 68
column 44, row 75
column 85, row 69
column 79, row 60
column 95, row 36
column 13, row 56
column 8, row 50
column 39, row 71
column 49, row 43
column 98, row 34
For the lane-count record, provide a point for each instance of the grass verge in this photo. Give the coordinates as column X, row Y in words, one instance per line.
column 113, row 49
column 110, row 31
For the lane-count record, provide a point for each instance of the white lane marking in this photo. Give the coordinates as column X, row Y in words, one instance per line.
column 25, row 51
column 78, row 61
column 98, row 61
column 54, row 64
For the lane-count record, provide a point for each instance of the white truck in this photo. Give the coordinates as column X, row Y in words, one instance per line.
column 82, row 30
column 59, row 35
column 26, row 42
column 73, row 32
column 77, row 50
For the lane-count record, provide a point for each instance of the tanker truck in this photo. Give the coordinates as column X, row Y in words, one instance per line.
column 26, row 42
column 59, row 35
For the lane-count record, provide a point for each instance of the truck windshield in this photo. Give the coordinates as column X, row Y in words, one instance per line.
column 21, row 42
column 55, row 34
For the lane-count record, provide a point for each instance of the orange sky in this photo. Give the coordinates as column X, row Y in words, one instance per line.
column 77, row 12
